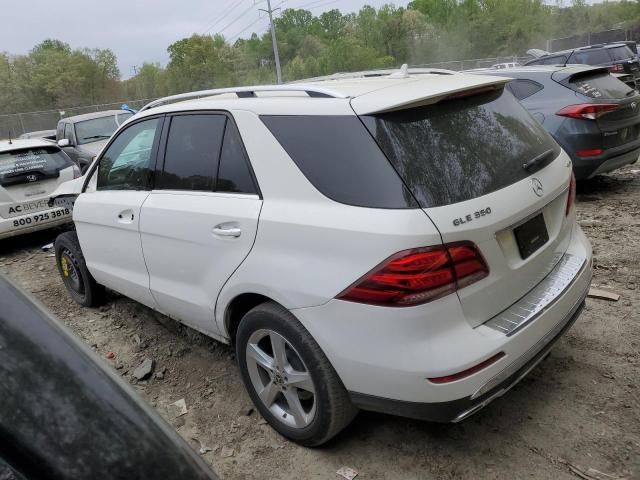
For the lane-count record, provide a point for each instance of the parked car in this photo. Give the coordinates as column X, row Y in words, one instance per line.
column 46, row 134
column 501, row 66
column 30, row 170
column 83, row 136
column 593, row 116
column 617, row 57
column 405, row 244
column 66, row 415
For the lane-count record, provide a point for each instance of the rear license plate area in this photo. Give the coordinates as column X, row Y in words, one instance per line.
column 531, row 235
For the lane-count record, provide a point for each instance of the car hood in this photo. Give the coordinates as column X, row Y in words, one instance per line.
column 93, row 148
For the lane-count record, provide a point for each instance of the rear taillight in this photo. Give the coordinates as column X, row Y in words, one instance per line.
column 572, row 194
column 419, row 275
column 589, row 111
column 616, row 68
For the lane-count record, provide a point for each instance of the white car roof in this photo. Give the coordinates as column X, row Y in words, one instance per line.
column 19, row 144
column 339, row 96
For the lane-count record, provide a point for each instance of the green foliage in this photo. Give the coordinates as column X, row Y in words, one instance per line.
column 53, row 75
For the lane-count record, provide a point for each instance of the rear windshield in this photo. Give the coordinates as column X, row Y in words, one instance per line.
column 601, row 85
column 88, row 131
column 42, row 161
column 463, row 148
column 620, row 53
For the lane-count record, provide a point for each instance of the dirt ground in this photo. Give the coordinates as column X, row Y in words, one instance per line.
column 575, row 416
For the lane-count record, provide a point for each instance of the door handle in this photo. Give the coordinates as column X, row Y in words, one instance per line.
column 226, row 231
column 126, row 216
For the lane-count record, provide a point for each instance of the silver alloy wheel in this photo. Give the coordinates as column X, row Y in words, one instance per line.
column 280, row 378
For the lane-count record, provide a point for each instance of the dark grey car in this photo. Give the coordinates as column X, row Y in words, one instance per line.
column 593, row 116
column 83, row 136
column 619, row 58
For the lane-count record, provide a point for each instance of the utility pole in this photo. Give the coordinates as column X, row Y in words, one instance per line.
column 274, row 41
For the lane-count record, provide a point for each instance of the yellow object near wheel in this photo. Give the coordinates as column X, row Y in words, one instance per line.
column 65, row 267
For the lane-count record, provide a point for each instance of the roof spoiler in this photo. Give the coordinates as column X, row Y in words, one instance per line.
column 567, row 75
column 420, row 92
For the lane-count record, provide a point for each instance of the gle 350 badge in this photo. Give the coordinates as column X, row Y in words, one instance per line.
column 471, row 216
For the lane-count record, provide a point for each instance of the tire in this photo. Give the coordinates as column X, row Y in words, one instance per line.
column 327, row 412
column 73, row 271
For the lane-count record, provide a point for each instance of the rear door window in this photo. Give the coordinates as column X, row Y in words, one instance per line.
column 340, row 159
column 522, row 89
column 31, row 164
column 192, row 152
column 601, row 85
column 463, row 148
column 557, row 60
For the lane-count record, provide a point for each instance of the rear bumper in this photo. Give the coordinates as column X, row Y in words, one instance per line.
column 460, row 409
column 384, row 356
column 9, row 229
column 585, row 168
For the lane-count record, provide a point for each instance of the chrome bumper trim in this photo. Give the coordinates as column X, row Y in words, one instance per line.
column 541, row 297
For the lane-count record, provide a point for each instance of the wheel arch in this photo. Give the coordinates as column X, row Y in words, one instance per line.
column 238, row 308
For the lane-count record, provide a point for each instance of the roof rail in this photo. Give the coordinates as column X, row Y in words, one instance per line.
column 246, row 92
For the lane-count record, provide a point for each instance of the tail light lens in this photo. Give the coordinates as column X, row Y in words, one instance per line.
column 616, row 68
column 589, row 111
column 593, row 152
column 419, row 275
column 469, row 371
column 571, row 199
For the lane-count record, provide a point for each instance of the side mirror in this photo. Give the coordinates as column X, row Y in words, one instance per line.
column 64, row 142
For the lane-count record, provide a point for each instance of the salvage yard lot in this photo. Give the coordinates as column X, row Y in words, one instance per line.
column 578, row 411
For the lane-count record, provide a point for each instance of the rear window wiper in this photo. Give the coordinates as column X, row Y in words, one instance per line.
column 537, row 160
column 94, row 137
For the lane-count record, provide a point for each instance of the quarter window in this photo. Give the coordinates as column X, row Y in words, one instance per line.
column 128, row 162
column 192, row 153
column 234, row 174
column 522, row 89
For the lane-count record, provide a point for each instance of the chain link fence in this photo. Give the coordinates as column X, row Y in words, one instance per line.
column 591, row 38
column 15, row 124
column 458, row 65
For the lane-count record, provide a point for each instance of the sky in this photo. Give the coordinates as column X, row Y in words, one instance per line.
column 141, row 30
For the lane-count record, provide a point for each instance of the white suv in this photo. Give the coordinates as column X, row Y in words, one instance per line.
column 30, row 170
column 405, row 244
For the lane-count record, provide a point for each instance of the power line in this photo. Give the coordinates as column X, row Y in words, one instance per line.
column 240, row 16
column 224, row 15
column 322, row 5
column 237, row 35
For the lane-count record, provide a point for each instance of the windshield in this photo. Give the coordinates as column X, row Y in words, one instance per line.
column 17, row 164
column 460, row 149
column 97, row 129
